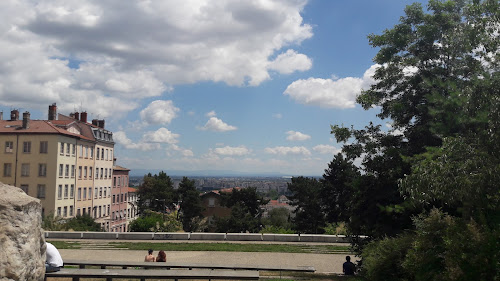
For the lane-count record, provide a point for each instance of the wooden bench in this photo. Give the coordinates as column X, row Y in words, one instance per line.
column 143, row 274
column 169, row 265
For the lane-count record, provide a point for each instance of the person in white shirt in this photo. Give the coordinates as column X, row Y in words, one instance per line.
column 54, row 261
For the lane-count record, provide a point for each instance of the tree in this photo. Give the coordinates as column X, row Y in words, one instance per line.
column 246, row 211
column 190, row 208
column 156, row 193
column 278, row 218
column 306, row 196
column 151, row 221
column 82, row 223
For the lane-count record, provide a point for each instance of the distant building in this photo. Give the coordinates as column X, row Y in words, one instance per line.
column 56, row 160
column 132, row 211
column 119, row 203
column 211, row 202
column 282, row 202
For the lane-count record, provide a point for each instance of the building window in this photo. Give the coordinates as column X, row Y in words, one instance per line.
column 59, row 211
column 70, row 211
column 24, row 187
column 42, row 170
column 102, row 172
column 40, row 192
column 90, row 172
column 72, row 191
column 44, row 147
column 96, row 192
column 106, row 173
column 81, row 152
column 61, row 170
column 104, row 193
column 90, row 194
column 85, row 172
column 68, row 148
column 27, row 147
column 66, row 189
column 59, row 192
column 72, row 171
column 91, row 152
column 96, row 173
column 109, row 193
column 114, row 182
column 79, row 194
column 79, row 172
column 86, row 152
column 73, row 149
column 97, row 154
column 62, row 149
column 66, row 172
column 25, row 170
column 102, row 153
column 9, row 147
column 113, row 199
column 7, row 169
column 65, row 214
column 78, row 212
column 84, row 193
column 100, row 192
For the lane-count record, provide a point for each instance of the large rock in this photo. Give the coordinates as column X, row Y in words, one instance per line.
column 22, row 246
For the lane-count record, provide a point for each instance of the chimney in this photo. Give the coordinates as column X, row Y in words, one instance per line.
column 53, row 112
column 72, row 115
column 94, row 122
column 100, row 123
column 26, row 120
column 1, row 115
column 77, row 115
column 14, row 115
column 83, row 117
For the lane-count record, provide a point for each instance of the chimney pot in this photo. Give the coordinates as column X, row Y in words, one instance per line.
column 26, row 120
column 95, row 122
column 53, row 112
column 83, row 117
column 77, row 115
column 1, row 115
column 14, row 115
column 101, row 123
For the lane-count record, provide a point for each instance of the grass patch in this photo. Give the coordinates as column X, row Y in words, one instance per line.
column 229, row 247
column 66, row 244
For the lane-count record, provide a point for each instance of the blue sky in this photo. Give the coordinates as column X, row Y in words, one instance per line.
column 249, row 86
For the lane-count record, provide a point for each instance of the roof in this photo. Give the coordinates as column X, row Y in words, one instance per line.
column 35, row 127
column 224, row 190
column 120, row 168
column 132, row 189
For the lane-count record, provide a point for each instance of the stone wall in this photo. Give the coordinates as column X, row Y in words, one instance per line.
column 22, row 245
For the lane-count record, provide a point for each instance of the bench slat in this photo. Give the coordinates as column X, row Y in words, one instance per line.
column 169, row 265
column 158, row 274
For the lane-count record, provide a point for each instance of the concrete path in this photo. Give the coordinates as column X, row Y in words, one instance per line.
column 324, row 263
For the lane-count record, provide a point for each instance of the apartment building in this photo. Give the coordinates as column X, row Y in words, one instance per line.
column 133, row 210
column 66, row 162
column 119, row 201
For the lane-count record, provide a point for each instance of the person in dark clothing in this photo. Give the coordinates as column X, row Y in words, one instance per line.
column 348, row 267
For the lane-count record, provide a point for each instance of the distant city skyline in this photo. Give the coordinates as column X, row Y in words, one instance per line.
column 242, row 86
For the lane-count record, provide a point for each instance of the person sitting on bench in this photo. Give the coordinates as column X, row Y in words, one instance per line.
column 162, row 257
column 54, row 261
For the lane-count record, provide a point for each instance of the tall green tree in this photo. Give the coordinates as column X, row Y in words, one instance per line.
column 190, row 208
column 306, row 196
column 156, row 193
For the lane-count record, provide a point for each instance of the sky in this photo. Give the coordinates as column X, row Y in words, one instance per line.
column 242, row 85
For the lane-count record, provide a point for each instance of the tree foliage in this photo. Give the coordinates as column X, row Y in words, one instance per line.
column 306, row 196
column 151, row 221
column 78, row 223
column 190, row 208
column 156, row 193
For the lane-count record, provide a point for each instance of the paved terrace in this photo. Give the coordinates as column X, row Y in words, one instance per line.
column 324, row 263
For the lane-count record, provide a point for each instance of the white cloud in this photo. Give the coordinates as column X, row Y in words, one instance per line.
column 278, row 115
column 162, row 135
column 326, row 149
column 211, row 114
column 297, row 136
column 329, row 93
column 183, row 151
column 159, row 112
column 121, row 138
column 217, row 125
column 291, row 61
column 232, row 151
column 285, row 150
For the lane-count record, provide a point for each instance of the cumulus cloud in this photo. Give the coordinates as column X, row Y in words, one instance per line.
column 162, row 135
column 211, row 114
column 290, row 61
column 217, row 125
column 297, row 136
column 232, row 151
column 184, row 152
column 159, row 112
column 330, row 93
column 326, row 149
column 285, row 150
column 121, row 138
column 278, row 115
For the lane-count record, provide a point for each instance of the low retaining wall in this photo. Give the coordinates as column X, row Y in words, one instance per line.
column 202, row 236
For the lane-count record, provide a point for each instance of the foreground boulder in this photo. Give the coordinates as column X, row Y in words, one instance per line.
column 22, row 246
